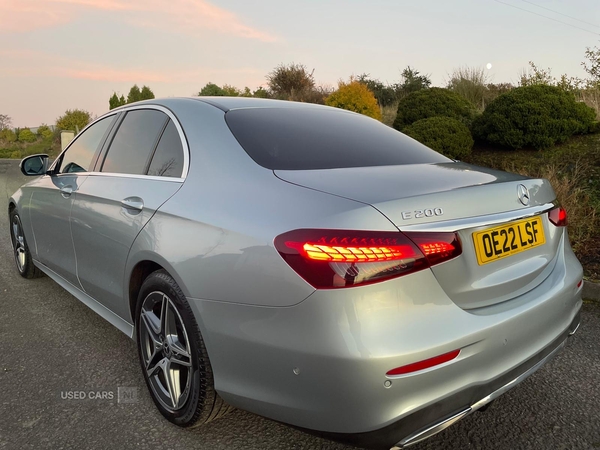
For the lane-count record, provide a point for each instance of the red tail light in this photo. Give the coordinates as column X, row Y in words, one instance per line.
column 558, row 216
column 339, row 258
column 437, row 247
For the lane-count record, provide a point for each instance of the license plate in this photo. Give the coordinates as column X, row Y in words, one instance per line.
column 506, row 240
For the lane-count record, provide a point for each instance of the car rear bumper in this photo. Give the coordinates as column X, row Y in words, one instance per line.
column 437, row 417
column 321, row 365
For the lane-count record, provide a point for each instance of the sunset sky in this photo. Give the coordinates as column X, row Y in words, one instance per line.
column 60, row 54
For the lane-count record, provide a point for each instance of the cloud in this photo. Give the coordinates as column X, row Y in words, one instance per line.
column 25, row 63
column 114, row 74
column 27, row 15
column 187, row 16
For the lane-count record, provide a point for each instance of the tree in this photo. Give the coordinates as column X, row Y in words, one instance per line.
column 537, row 76
column 115, row 101
column 291, row 82
column 384, row 94
column 211, row 89
column 134, row 94
column 592, row 67
column 5, row 121
column 74, row 120
column 146, row 93
column 412, row 81
column 355, row 96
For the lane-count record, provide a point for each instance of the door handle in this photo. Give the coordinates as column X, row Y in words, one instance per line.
column 66, row 191
column 133, row 203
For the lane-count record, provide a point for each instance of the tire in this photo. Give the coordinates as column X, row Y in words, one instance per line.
column 173, row 356
column 21, row 252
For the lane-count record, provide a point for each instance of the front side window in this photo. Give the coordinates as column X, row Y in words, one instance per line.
column 134, row 142
column 168, row 158
column 80, row 154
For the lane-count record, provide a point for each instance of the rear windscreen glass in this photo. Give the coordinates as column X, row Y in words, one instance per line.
column 310, row 138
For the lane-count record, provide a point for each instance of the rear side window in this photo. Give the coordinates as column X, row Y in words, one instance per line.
column 310, row 138
column 81, row 152
column 168, row 158
column 134, row 142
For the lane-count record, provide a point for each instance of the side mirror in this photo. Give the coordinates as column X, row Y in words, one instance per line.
column 34, row 165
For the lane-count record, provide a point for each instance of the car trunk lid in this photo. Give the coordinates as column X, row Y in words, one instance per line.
column 471, row 201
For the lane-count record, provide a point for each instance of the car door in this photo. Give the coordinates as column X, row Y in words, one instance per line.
column 53, row 196
column 119, row 198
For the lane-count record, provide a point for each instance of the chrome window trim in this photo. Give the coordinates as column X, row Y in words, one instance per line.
column 480, row 221
column 130, row 175
column 163, row 109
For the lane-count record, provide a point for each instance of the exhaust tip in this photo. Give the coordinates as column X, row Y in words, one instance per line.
column 575, row 324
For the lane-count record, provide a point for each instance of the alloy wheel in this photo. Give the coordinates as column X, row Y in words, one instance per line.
column 19, row 243
column 165, row 347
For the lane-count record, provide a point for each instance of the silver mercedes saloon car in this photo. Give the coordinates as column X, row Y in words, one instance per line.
column 304, row 263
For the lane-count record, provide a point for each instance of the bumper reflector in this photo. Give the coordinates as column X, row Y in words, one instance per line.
column 425, row 364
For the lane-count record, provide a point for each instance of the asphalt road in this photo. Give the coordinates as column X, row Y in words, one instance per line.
column 52, row 346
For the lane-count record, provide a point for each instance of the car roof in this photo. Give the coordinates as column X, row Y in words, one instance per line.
column 229, row 103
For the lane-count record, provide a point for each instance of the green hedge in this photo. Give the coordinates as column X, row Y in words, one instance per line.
column 446, row 135
column 433, row 102
column 538, row 116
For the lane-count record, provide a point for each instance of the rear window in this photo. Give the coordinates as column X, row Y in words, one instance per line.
column 304, row 139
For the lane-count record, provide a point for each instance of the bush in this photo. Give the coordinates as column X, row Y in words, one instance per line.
column 446, row 135
column 45, row 132
column 388, row 114
column 231, row 91
column 8, row 135
column 433, row 102
column 537, row 116
column 494, row 90
column 591, row 97
column 355, row 96
column 260, row 93
column 291, row 82
column 470, row 82
column 26, row 135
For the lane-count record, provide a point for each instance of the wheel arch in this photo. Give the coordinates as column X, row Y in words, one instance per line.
column 144, row 265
